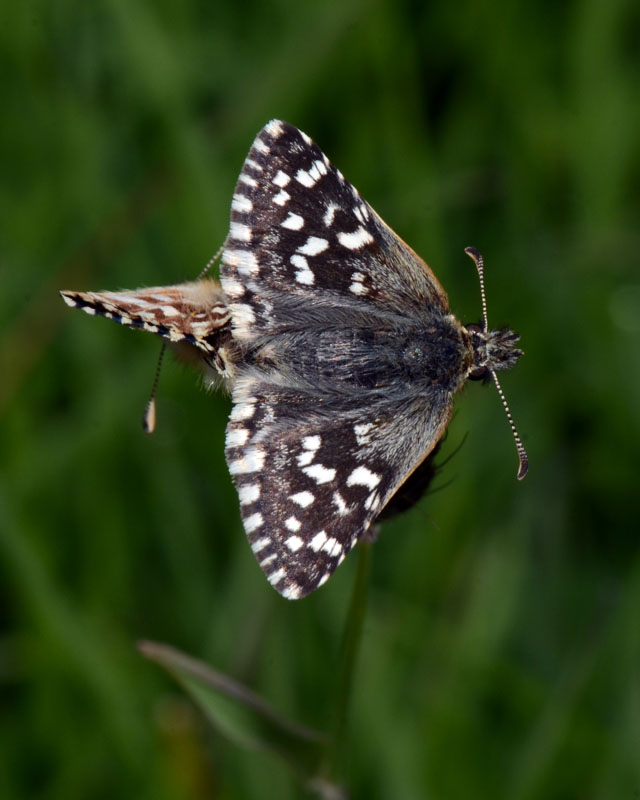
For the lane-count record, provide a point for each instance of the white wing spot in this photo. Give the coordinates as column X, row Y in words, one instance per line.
column 317, row 170
column 241, row 203
column 303, row 177
column 232, row 287
column 303, row 275
column 252, row 460
column 303, row 499
column 274, row 128
column 281, row 198
column 319, row 473
column 249, row 494
column 276, row 577
column 310, row 445
column 294, row 543
column 70, row 301
column 244, row 178
column 329, row 214
column 332, row 547
column 253, row 522
column 313, row 246
column 362, row 213
column 292, row 592
column 260, row 544
column 306, row 277
column 305, row 458
column 362, row 432
column 340, row 504
column 242, row 314
column 293, row 524
column 242, row 411
column 240, row 232
column 318, row 541
column 321, row 166
column 294, row 222
column 174, row 335
column 356, row 239
column 169, row 311
column 236, row 437
column 281, row 179
column 361, row 476
column 243, row 260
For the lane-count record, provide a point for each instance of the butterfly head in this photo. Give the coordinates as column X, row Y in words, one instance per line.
column 492, row 350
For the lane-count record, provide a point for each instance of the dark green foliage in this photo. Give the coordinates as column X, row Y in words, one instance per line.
column 501, row 647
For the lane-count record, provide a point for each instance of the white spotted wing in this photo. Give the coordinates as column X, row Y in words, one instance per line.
column 299, row 228
column 313, row 473
column 321, row 434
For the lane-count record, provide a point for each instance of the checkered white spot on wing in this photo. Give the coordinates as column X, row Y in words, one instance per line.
column 313, row 472
column 298, row 228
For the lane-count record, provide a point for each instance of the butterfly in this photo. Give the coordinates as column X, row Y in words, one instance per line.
column 337, row 344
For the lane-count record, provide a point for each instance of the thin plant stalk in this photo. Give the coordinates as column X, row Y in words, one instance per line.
column 350, row 647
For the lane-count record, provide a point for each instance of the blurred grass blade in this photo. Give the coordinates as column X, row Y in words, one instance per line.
column 337, row 744
column 242, row 716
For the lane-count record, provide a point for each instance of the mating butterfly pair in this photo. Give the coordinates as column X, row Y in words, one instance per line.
column 337, row 344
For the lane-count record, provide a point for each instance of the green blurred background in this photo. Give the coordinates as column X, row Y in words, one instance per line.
column 501, row 650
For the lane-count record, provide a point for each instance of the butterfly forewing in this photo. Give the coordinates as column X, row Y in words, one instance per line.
column 299, row 228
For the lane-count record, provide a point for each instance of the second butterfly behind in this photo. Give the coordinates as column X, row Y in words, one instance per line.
column 339, row 349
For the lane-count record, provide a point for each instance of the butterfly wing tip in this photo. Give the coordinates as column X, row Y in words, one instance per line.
column 69, row 298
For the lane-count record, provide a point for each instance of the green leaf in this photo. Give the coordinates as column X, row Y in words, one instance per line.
column 239, row 714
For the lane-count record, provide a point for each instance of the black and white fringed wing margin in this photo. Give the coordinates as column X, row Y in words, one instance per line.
column 340, row 351
column 350, row 359
column 193, row 317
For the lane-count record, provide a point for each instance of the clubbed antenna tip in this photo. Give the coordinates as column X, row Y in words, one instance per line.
column 149, row 416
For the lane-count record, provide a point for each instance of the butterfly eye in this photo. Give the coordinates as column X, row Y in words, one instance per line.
column 480, row 374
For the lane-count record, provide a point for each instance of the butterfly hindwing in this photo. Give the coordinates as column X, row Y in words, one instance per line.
column 313, row 475
column 194, row 312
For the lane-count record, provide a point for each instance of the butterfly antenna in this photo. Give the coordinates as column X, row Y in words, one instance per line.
column 522, row 453
column 478, row 260
column 523, row 458
column 149, row 416
column 211, row 262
